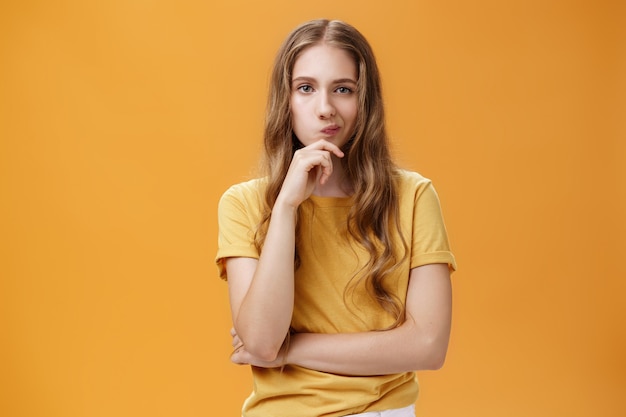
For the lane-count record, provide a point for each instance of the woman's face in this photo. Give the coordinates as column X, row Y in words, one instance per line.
column 324, row 99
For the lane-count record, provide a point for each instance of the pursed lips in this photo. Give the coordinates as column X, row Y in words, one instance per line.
column 330, row 130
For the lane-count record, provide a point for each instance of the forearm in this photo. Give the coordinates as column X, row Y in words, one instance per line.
column 405, row 348
column 264, row 315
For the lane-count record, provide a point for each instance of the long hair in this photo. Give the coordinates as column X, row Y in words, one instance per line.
column 367, row 161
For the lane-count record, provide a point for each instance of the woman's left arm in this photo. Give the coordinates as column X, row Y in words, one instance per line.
column 420, row 343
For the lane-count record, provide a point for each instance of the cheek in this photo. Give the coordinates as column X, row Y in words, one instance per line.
column 350, row 112
column 296, row 108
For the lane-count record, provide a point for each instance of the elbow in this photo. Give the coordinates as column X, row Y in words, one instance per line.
column 435, row 360
column 259, row 342
column 431, row 355
column 262, row 347
column 263, row 351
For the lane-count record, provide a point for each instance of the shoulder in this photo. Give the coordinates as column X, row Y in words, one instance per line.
column 244, row 197
column 411, row 183
column 247, row 190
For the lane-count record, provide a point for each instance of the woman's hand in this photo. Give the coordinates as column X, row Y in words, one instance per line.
column 241, row 356
column 310, row 165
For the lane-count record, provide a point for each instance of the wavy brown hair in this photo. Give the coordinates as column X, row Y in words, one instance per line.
column 367, row 161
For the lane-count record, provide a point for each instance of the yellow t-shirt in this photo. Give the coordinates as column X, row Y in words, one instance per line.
column 328, row 263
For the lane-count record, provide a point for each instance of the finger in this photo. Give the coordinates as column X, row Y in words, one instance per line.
column 323, row 177
column 237, row 357
column 310, row 159
column 233, row 333
column 323, row 144
column 234, row 358
column 326, row 169
column 236, row 342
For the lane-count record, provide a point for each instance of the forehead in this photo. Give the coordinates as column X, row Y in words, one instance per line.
column 324, row 61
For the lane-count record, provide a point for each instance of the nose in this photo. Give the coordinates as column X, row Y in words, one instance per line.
column 325, row 108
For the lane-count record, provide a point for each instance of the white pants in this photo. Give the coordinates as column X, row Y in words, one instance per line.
column 396, row 412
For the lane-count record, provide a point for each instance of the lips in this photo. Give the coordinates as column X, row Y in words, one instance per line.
column 330, row 130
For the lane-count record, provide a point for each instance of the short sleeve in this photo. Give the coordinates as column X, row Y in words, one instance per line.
column 238, row 216
column 429, row 242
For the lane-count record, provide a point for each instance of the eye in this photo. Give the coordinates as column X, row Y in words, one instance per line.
column 344, row 90
column 305, row 88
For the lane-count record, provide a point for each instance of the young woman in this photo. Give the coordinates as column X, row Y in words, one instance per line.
column 338, row 263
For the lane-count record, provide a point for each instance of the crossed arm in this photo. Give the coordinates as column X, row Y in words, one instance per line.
column 419, row 343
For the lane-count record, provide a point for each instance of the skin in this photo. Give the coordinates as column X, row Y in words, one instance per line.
column 324, row 95
column 324, row 106
column 262, row 291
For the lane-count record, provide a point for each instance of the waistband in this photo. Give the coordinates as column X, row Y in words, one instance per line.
column 396, row 412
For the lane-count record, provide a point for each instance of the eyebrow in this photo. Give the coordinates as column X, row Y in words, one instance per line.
column 338, row 81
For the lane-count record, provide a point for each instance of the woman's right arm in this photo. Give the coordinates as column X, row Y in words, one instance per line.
column 262, row 291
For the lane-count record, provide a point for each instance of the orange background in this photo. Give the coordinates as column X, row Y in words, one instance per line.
column 122, row 122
